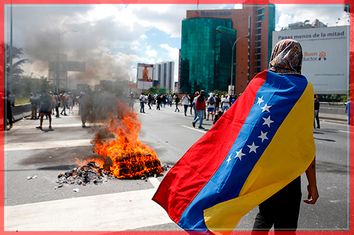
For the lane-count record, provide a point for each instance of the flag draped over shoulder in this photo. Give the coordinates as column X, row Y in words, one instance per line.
column 262, row 143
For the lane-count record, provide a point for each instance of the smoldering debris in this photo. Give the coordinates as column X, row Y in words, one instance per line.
column 83, row 175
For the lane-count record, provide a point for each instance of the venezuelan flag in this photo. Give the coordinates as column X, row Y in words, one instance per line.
column 255, row 149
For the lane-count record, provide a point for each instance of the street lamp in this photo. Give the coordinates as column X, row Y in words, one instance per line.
column 232, row 62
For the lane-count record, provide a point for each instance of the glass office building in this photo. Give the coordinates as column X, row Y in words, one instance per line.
column 206, row 54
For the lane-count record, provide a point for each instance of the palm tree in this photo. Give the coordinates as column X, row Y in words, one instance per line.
column 17, row 62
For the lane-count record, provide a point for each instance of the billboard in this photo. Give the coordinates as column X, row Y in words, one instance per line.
column 325, row 56
column 145, row 72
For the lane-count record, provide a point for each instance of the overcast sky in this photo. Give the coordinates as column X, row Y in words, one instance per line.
column 112, row 39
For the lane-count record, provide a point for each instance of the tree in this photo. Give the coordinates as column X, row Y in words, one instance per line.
column 17, row 61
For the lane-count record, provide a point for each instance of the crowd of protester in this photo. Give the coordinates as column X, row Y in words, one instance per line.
column 200, row 105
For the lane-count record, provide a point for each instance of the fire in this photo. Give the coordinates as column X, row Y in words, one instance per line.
column 125, row 156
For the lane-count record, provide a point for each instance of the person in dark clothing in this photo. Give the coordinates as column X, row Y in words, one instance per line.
column 9, row 115
column 177, row 102
column 158, row 102
column 45, row 109
column 282, row 209
column 150, row 100
column 317, row 111
column 85, row 108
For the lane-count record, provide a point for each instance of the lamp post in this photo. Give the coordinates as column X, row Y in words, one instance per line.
column 231, row 87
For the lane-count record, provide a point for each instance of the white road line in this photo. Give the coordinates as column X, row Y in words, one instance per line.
column 54, row 125
column 47, row 144
column 108, row 212
column 155, row 182
column 343, row 131
column 194, row 129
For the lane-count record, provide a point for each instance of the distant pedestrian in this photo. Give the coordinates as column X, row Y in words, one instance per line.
column 150, row 100
column 217, row 102
column 317, row 111
column 34, row 99
column 225, row 103
column 177, row 102
column 191, row 99
column 211, row 107
column 196, row 94
column 349, row 113
column 185, row 103
column 84, row 108
column 9, row 102
column 142, row 100
column 200, row 109
column 45, row 109
column 158, row 102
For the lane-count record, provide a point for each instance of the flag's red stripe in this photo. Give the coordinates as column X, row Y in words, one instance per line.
column 190, row 174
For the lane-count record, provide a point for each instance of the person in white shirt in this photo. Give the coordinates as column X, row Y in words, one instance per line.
column 185, row 103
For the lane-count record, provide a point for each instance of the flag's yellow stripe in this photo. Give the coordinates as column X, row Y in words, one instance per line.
column 288, row 155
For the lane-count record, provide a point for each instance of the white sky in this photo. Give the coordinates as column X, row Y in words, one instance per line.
column 112, row 39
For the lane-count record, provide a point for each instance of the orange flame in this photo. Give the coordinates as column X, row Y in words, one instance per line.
column 125, row 156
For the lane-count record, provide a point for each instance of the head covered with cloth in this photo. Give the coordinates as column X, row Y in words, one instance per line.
column 263, row 142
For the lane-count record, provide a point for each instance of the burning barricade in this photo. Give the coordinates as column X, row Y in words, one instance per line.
column 124, row 156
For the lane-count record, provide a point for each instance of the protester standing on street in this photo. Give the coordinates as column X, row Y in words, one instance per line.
column 196, row 94
column 282, row 209
column 211, row 107
column 317, row 111
column 185, row 103
column 9, row 115
column 225, row 103
column 45, row 109
column 150, row 100
column 142, row 100
column 34, row 106
column 84, row 108
column 177, row 102
column 253, row 155
column 200, row 109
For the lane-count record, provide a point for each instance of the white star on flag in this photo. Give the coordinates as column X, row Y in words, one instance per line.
column 260, row 100
column 239, row 154
column 253, row 147
column 267, row 121
column 263, row 136
column 266, row 108
column 229, row 159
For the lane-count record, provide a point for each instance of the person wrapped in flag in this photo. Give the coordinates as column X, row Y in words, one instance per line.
column 263, row 143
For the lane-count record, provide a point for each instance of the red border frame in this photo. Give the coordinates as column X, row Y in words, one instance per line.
column 351, row 86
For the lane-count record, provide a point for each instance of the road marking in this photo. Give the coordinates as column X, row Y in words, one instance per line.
column 108, row 212
column 194, row 129
column 47, row 144
column 155, row 182
column 26, row 126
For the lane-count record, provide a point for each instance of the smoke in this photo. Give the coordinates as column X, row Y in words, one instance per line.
column 101, row 46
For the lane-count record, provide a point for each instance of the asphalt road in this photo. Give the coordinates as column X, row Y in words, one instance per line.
column 31, row 152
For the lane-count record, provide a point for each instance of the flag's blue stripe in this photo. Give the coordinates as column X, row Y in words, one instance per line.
column 281, row 92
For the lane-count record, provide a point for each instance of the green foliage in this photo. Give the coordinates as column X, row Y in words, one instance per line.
column 156, row 90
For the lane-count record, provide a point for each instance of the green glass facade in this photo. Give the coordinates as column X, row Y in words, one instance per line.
column 205, row 59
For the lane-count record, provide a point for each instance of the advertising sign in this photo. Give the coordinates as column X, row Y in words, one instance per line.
column 145, row 72
column 325, row 56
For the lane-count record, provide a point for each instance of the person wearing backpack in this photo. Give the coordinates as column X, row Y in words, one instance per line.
column 211, row 107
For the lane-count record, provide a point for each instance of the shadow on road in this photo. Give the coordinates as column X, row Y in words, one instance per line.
column 331, row 167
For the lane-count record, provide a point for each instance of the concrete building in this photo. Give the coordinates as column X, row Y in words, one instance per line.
column 163, row 75
column 251, row 54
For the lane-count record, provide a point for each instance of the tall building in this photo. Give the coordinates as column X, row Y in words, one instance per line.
column 163, row 75
column 205, row 57
column 251, row 54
